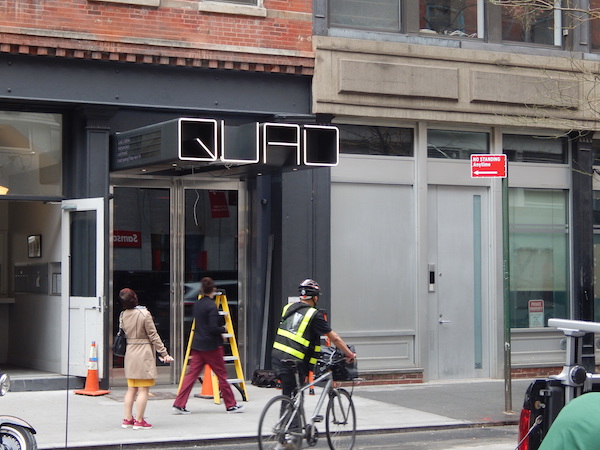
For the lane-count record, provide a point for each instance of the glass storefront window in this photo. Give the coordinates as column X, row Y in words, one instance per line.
column 456, row 144
column 596, row 207
column 366, row 140
column 596, row 150
column 529, row 23
column 535, row 149
column 449, row 17
column 31, row 154
column 367, row 14
column 539, row 256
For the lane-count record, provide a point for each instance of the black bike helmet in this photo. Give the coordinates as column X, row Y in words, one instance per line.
column 309, row 288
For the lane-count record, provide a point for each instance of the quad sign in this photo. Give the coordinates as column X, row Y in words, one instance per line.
column 212, row 143
column 488, row 166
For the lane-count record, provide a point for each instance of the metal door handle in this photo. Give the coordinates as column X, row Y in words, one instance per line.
column 443, row 321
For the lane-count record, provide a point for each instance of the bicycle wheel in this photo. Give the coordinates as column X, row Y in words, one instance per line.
column 340, row 420
column 274, row 422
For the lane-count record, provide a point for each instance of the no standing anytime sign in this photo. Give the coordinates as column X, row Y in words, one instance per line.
column 488, row 166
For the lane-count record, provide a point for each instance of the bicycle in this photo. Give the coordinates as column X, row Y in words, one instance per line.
column 278, row 427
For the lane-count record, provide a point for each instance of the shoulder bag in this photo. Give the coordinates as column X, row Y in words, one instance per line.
column 120, row 341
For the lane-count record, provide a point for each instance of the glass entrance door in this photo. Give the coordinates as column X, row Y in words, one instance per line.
column 168, row 235
column 211, row 243
column 142, row 259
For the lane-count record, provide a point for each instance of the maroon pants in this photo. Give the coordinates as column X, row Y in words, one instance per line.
column 214, row 358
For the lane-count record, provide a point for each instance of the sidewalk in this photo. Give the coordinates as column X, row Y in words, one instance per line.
column 94, row 422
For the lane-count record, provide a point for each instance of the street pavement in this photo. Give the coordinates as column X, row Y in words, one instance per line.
column 67, row 420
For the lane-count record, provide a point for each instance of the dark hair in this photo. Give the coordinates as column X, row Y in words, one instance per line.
column 208, row 285
column 128, row 298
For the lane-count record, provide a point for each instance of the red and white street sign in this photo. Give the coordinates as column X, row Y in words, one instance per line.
column 488, row 166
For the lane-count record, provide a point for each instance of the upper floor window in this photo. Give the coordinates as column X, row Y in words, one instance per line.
column 451, row 17
column 243, row 2
column 368, row 14
column 595, row 24
column 528, row 22
column 367, row 140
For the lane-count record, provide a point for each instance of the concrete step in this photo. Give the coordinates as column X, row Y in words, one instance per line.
column 45, row 383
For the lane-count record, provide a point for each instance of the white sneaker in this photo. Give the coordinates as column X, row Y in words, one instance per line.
column 235, row 409
column 180, row 410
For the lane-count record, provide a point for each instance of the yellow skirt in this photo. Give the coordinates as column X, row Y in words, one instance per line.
column 132, row 382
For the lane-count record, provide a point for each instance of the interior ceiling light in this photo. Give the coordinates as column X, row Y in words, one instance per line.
column 3, row 190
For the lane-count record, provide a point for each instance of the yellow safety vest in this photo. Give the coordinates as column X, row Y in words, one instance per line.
column 293, row 334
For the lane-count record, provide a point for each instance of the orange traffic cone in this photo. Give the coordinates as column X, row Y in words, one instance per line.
column 207, row 389
column 311, row 378
column 92, row 386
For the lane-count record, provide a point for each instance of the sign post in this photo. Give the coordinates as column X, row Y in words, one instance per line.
column 495, row 166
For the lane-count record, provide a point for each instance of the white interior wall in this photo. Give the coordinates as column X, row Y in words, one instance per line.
column 34, row 318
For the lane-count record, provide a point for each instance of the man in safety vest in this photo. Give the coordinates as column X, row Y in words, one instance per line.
column 299, row 336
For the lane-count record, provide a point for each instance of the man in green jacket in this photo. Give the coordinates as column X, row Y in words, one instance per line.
column 577, row 426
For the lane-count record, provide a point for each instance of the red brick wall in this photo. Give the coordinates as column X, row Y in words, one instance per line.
column 535, row 372
column 276, row 42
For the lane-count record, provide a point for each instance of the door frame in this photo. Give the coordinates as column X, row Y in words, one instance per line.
column 485, row 306
column 68, row 207
column 177, row 187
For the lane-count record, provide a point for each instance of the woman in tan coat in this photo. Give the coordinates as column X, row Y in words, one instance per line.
column 143, row 342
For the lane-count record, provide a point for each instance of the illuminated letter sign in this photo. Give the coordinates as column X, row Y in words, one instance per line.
column 281, row 144
column 197, row 139
column 321, row 145
column 189, row 143
column 240, row 145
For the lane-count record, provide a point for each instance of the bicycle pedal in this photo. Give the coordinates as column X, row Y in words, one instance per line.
column 318, row 419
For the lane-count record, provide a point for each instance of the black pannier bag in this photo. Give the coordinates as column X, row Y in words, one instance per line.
column 264, row 378
column 341, row 371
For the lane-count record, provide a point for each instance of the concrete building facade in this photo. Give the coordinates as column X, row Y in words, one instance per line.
column 411, row 250
column 416, row 88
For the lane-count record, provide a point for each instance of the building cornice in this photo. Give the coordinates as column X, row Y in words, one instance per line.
column 53, row 43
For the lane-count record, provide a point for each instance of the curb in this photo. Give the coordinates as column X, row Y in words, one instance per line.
column 214, row 442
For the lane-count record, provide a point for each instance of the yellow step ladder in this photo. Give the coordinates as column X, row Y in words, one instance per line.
column 239, row 382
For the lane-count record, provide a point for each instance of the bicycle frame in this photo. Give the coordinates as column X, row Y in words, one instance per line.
column 298, row 400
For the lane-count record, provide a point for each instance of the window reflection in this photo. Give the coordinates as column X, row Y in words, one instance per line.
column 30, row 154
column 366, row 140
column 449, row 17
column 455, row 144
column 596, row 207
column 539, row 254
column 368, row 14
column 535, row 149
column 245, row 2
column 528, row 23
column 595, row 24
column 596, row 150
